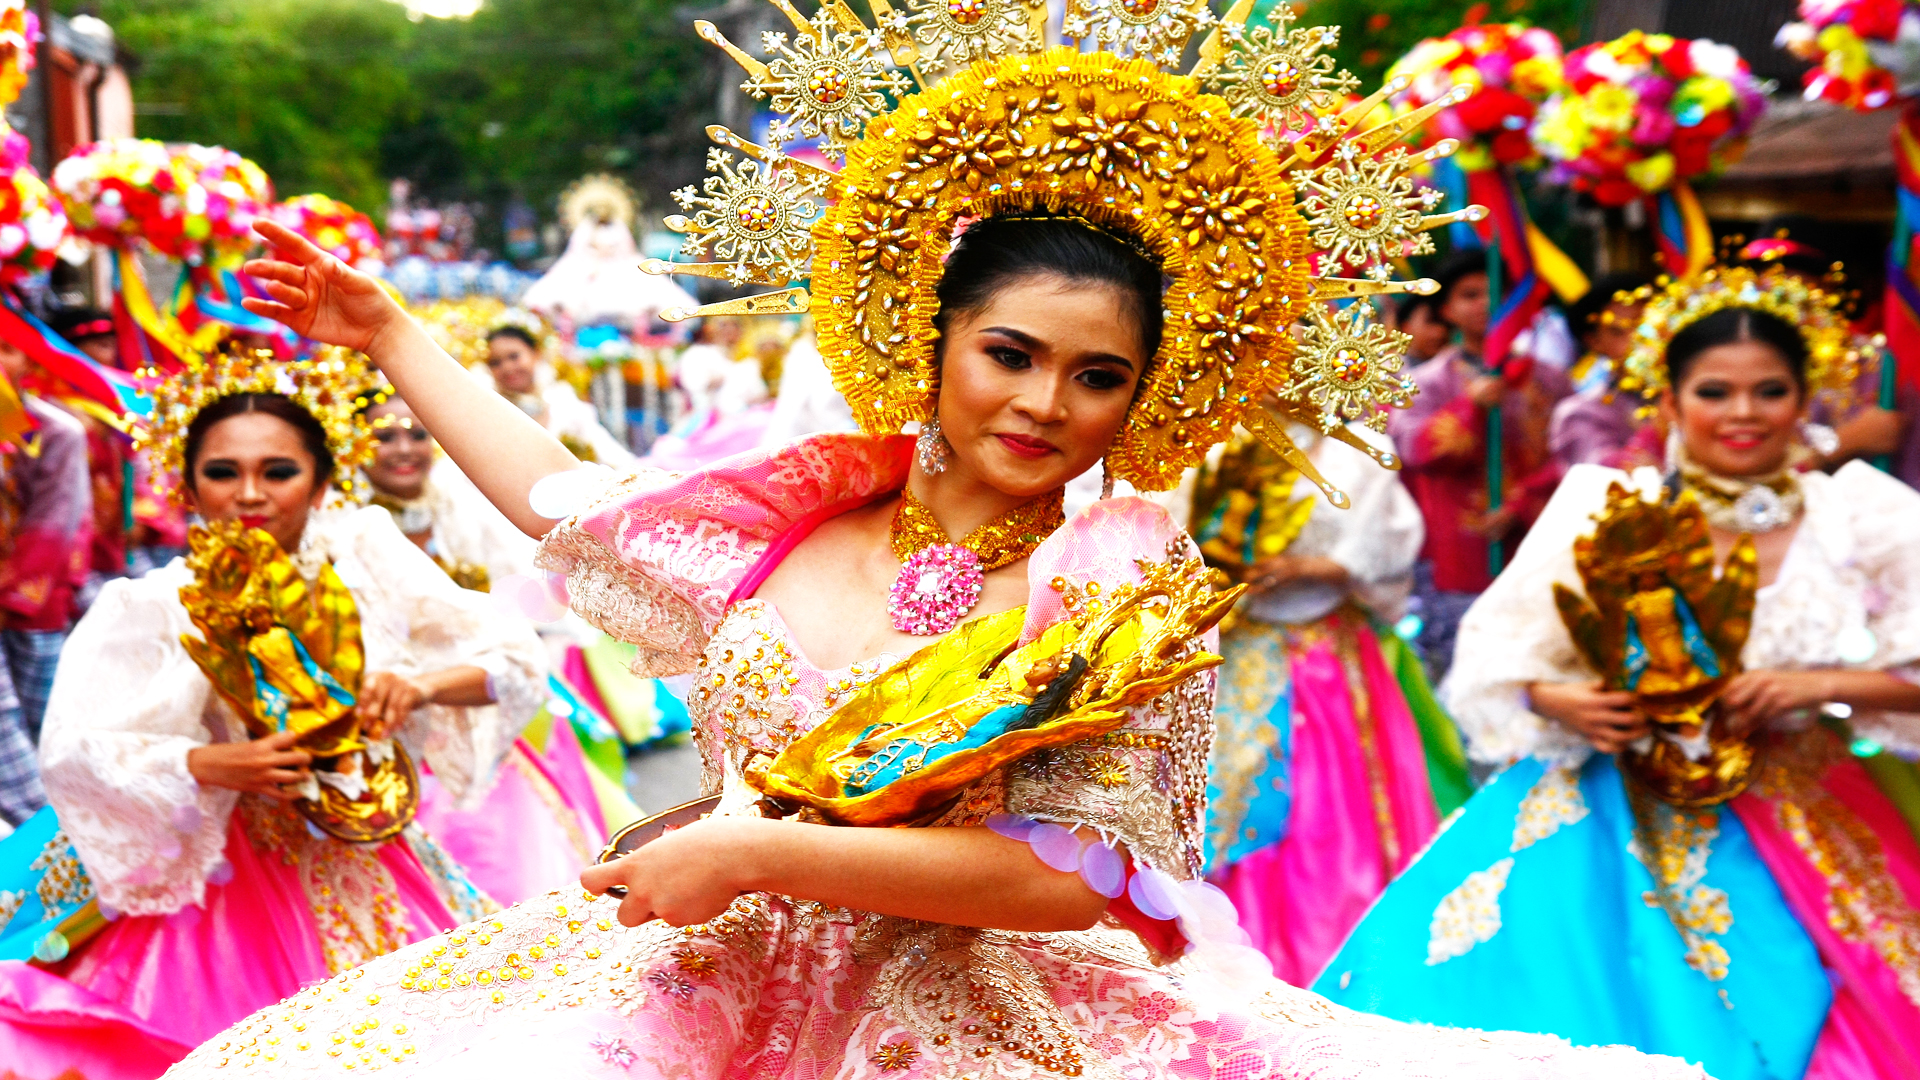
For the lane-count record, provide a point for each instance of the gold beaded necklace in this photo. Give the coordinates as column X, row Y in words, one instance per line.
column 1001, row 542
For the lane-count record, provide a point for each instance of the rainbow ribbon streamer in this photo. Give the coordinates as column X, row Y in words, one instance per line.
column 101, row 390
column 1680, row 226
column 1903, row 293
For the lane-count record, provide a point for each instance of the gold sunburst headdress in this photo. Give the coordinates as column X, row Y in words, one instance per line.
column 332, row 387
column 1835, row 358
column 1247, row 178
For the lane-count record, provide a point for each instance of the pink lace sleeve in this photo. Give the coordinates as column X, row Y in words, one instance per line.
column 1145, row 784
column 656, row 556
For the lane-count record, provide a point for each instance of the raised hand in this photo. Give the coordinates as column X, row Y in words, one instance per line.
column 317, row 295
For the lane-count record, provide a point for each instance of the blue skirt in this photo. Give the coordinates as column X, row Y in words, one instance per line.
column 1535, row 910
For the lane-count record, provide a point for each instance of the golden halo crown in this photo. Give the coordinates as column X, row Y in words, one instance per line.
column 1834, row 359
column 1250, row 179
column 333, row 387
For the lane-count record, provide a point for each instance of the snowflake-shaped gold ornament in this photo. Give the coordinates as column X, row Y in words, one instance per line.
column 1348, row 369
column 753, row 215
column 1127, row 145
column 1156, row 30
column 954, row 33
column 1365, row 209
column 829, row 79
column 1278, row 75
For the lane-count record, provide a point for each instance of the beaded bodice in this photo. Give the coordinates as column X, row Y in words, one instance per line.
column 754, row 692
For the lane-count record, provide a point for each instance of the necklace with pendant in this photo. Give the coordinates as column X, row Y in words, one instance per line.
column 1748, row 504
column 940, row 581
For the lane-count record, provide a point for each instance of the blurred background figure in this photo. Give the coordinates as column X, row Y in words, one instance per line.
column 1442, row 439
column 1598, row 424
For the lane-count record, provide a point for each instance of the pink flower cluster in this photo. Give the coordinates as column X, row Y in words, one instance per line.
column 1645, row 111
column 1509, row 69
column 186, row 202
column 33, row 226
column 936, row 588
column 332, row 225
column 1863, row 50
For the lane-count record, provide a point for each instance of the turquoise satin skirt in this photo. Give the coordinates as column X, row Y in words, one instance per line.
column 1535, row 910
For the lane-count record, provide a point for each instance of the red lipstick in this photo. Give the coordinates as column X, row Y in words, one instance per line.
column 1026, row 446
column 254, row 521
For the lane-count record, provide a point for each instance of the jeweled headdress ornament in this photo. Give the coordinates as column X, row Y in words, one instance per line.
column 1834, row 358
column 1248, row 179
column 332, row 386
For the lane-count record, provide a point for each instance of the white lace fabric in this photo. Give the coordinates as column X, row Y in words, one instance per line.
column 469, row 529
column 1853, row 570
column 129, row 703
column 1376, row 539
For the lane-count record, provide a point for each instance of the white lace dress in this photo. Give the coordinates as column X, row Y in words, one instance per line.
column 232, row 896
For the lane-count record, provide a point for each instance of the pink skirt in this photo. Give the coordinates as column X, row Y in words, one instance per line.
column 1361, row 810
column 534, row 832
column 149, row 988
column 1849, row 867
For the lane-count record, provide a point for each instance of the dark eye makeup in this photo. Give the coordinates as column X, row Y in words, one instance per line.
column 277, row 471
column 1102, row 378
column 1770, row 390
column 1010, row 358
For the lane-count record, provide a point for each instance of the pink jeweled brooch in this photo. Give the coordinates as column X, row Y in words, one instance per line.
column 936, row 588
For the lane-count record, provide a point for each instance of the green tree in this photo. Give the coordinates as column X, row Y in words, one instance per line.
column 1375, row 33
column 307, row 88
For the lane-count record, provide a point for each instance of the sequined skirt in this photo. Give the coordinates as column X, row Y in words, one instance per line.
column 781, row 989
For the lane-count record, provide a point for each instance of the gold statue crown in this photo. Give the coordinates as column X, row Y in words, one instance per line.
column 333, row 387
column 1834, row 360
column 1247, row 179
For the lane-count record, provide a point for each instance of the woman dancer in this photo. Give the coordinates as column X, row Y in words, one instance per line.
column 1332, row 765
column 218, row 852
column 539, row 822
column 763, row 941
column 435, row 505
column 523, row 376
column 1605, row 887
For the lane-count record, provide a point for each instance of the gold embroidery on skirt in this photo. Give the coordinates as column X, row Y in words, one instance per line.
column 1864, row 902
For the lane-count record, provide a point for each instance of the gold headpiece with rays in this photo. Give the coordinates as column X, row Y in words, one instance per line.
column 332, row 387
column 1248, row 179
column 1834, row 359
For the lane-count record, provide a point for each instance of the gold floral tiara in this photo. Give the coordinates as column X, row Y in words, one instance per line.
column 1834, row 359
column 333, row 387
column 1249, row 179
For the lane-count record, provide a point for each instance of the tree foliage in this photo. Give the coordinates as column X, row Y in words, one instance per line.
column 339, row 96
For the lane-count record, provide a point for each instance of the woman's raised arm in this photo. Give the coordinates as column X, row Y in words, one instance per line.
column 503, row 450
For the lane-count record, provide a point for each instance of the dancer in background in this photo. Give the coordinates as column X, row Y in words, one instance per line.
column 1442, row 438
column 1331, row 765
column 522, row 375
column 435, row 505
column 136, row 527
column 1685, row 855
column 241, row 805
column 538, row 822
column 45, row 523
column 1601, row 424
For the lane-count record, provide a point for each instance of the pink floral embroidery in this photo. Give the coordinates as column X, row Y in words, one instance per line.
column 1153, row 1008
